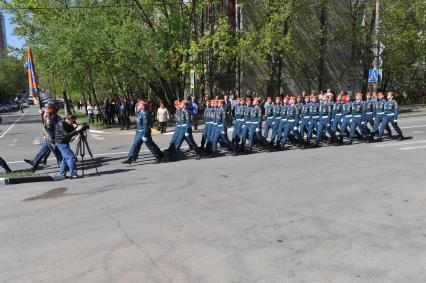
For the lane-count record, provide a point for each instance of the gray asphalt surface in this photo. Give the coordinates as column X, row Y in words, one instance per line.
column 332, row 214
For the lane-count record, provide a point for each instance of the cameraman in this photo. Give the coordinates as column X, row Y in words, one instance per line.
column 65, row 131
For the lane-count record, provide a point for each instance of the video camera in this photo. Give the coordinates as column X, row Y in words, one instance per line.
column 85, row 127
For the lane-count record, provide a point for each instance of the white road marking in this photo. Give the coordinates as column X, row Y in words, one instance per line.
column 13, row 143
column 414, row 147
column 11, row 126
column 97, row 137
column 412, row 127
column 399, row 143
column 36, row 141
column 418, row 132
column 99, row 154
column 96, row 131
column 169, row 133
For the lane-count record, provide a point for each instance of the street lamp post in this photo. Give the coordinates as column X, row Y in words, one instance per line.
column 377, row 49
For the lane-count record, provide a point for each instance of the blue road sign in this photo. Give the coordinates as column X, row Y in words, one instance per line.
column 373, row 76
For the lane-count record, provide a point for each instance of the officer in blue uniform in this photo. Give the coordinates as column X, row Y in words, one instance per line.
column 174, row 141
column 391, row 116
column 256, row 124
column 185, row 132
column 314, row 119
column 238, row 123
column 246, row 124
column 221, row 129
column 358, row 117
column 144, row 123
column 282, row 121
column 292, row 123
column 304, row 120
column 346, row 117
column 205, row 139
column 336, row 116
column 276, row 119
column 379, row 116
column 269, row 117
column 324, row 125
column 370, row 110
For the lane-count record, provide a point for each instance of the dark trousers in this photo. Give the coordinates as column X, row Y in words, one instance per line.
column 4, row 165
column 138, row 142
column 163, row 127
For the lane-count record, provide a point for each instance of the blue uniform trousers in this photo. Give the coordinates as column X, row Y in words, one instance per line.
column 390, row 118
column 138, row 142
column 357, row 122
column 289, row 128
column 275, row 129
column 313, row 124
column 268, row 126
column 345, row 124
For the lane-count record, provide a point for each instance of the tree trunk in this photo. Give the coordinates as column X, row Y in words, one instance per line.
column 323, row 45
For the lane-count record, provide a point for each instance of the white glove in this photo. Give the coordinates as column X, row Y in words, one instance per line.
column 341, row 121
column 40, row 111
column 222, row 132
column 144, row 139
column 186, row 135
column 374, row 119
column 257, row 130
column 273, row 123
column 350, row 121
column 300, row 122
column 395, row 120
column 328, row 125
column 295, row 128
column 244, row 126
column 362, row 123
column 332, row 120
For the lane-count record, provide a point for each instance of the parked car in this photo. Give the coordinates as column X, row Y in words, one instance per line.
column 30, row 100
column 13, row 105
column 4, row 108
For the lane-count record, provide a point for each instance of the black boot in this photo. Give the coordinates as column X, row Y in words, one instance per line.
column 4, row 165
column 128, row 161
column 29, row 162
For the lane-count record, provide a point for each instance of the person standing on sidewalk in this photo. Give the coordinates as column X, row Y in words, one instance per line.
column 90, row 113
column 162, row 118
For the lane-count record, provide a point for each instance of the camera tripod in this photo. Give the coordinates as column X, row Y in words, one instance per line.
column 82, row 146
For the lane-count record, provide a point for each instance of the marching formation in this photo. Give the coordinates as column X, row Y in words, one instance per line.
column 288, row 119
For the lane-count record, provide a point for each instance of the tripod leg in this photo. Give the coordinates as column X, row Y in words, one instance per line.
column 91, row 155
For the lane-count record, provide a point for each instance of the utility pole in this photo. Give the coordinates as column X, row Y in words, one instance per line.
column 238, row 23
column 378, row 47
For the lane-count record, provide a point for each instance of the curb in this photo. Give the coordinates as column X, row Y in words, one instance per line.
column 22, row 180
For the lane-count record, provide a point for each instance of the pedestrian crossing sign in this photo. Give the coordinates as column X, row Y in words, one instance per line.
column 373, row 76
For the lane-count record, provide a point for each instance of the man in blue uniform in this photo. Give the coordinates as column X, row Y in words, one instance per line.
column 185, row 132
column 255, row 126
column 238, row 123
column 379, row 116
column 336, row 116
column 292, row 123
column 391, row 116
column 269, row 117
column 304, row 120
column 221, row 129
column 324, row 125
column 144, row 123
column 276, row 120
column 246, row 124
column 370, row 110
column 205, row 139
column 313, row 119
column 346, row 117
column 358, row 117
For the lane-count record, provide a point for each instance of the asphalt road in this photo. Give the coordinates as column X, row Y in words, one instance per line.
column 332, row 214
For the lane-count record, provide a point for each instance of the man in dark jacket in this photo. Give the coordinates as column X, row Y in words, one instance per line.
column 65, row 131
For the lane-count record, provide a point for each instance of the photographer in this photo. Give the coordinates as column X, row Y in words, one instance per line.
column 65, row 131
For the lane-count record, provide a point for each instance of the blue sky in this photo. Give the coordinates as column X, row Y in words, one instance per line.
column 12, row 40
